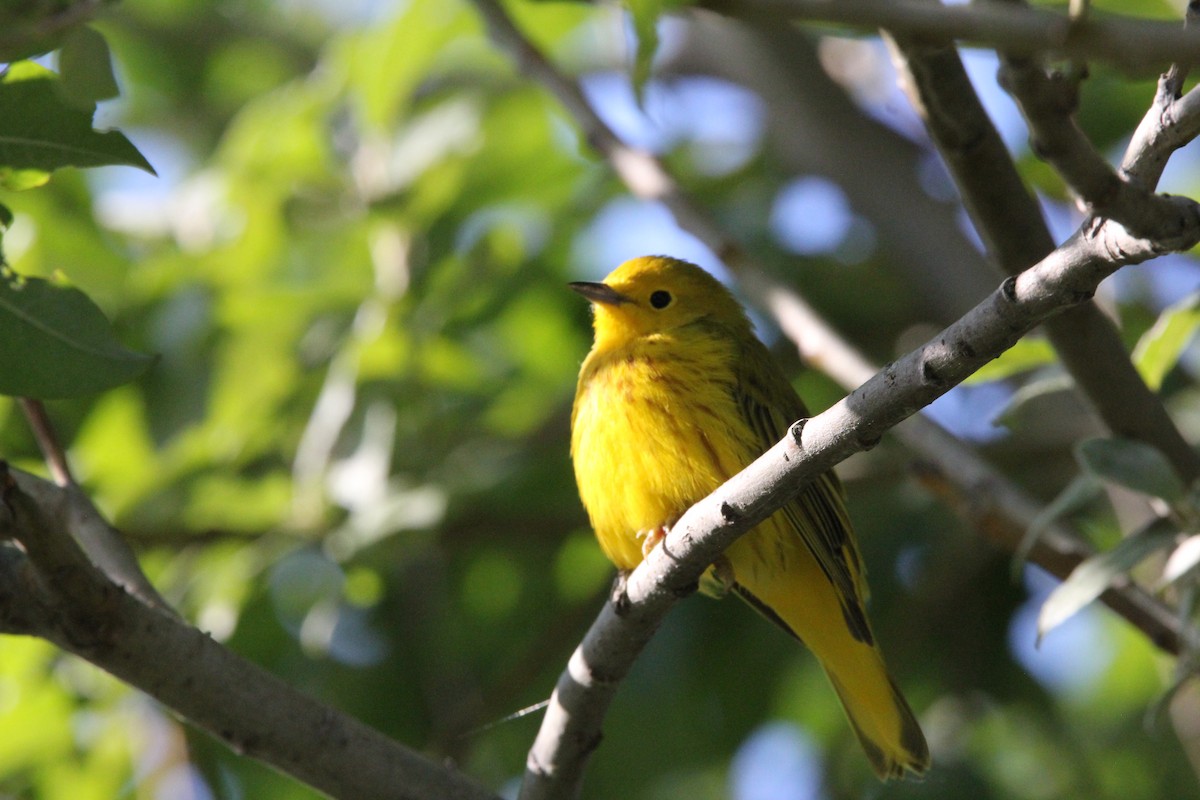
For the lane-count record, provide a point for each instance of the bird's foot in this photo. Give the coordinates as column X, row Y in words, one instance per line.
column 650, row 538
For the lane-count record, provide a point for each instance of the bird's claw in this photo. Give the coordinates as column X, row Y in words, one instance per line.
column 650, row 538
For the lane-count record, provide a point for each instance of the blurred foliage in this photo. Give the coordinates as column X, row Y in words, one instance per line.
column 349, row 461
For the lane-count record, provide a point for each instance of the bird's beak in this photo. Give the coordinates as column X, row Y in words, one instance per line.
column 600, row 293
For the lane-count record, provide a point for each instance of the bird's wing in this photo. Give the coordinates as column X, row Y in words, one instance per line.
column 769, row 406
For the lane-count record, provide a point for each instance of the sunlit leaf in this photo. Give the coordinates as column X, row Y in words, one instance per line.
column 1183, row 559
column 1089, row 580
column 1027, row 354
column 18, row 180
column 1134, row 465
column 1159, row 349
column 57, row 342
column 1053, row 383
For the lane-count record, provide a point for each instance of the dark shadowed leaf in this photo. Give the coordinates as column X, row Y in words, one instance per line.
column 57, row 342
column 41, row 131
column 1079, row 493
column 86, row 67
column 1131, row 464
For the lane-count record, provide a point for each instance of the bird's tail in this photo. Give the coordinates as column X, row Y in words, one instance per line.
column 878, row 713
column 880, row 716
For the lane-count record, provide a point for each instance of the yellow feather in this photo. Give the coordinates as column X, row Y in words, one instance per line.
column 675, row 397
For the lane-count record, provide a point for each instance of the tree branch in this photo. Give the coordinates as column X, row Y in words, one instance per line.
column 49, row 588
column 809, row 114
column 1048, row 102
column 1128, row 42
column 571, row 728
column 1010, row 223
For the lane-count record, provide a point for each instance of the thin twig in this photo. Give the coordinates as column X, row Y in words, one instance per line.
column 1048, row 102
column 809, row 115
column 969, row 484
column 47, row 440
column 1178, row 72
column 103, row 544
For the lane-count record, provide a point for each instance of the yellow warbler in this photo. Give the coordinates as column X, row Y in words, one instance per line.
column 675, row 397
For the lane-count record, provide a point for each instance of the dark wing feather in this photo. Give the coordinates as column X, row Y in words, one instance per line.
column 769, row 406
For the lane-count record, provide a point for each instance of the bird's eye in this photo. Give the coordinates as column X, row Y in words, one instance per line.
column 660, row 299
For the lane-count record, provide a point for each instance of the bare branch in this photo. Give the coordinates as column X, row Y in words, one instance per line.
column 52, row 590
column 1128, row 42
column 1171, row 122
column 1048, row 102
column 809, row 115
column 103, row 544
column 1011, row 225
column 1003, row 514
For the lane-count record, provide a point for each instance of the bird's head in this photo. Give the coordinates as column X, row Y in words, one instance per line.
column 658, row 294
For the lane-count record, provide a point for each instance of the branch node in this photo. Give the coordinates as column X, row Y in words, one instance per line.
column 729, row 513
column 868, row 441
column 1008, row 289
column 619, row 597
column 929, row 373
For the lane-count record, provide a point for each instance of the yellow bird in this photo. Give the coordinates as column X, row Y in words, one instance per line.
column 676, row 396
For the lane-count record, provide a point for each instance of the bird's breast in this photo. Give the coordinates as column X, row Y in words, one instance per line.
column 651, row 435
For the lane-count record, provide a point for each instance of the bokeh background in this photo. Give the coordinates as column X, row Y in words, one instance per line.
column 350, row 463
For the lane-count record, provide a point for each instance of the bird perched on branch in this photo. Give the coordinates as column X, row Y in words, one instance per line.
column 676, row 396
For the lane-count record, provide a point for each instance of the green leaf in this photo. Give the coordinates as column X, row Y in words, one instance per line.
column 57, row 342
column 1078, row 493
column 1159, row 349
column 1131, row 464
column 86, row 68
column 1027, row 354
column 645, row 15
column 1089, row 580
column 18, row 180
column 1053, row 382
column 41, row 131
